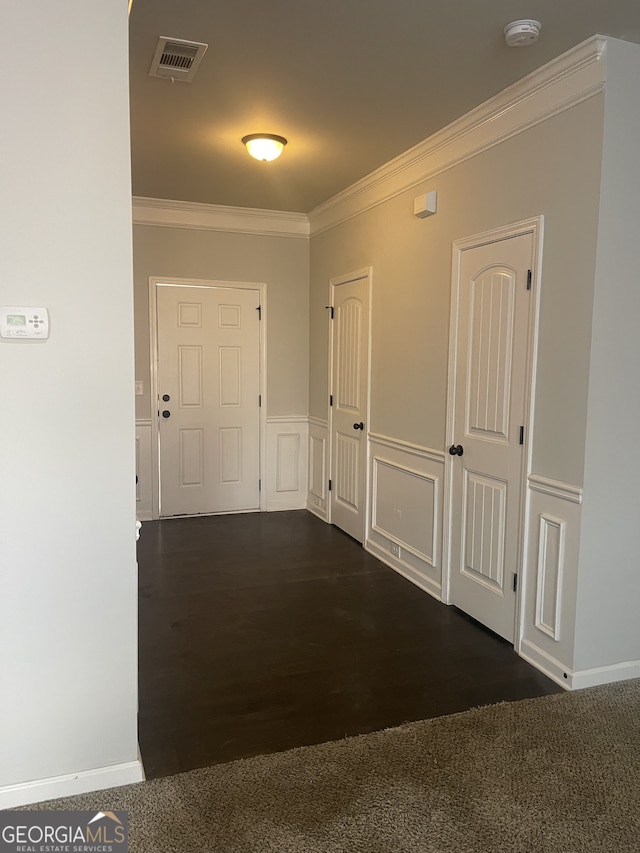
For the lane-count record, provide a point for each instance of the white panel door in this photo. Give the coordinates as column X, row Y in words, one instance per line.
column 350, row 372
column 487, row 455
column 208, row 399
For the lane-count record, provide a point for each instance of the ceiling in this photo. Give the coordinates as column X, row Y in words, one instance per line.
column 350, row 83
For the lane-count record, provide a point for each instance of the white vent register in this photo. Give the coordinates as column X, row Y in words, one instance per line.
column 177, row 59
column 18, row 321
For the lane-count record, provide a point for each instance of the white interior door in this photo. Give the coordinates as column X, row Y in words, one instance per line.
column 208, row 399
column 486, row 455
column 349, row 410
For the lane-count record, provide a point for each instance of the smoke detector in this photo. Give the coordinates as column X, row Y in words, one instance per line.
column 177, row 59
column 521, row 33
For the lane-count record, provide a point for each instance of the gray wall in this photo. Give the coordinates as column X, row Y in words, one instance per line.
column 280, row 262
column 68, row 602
column 551, row 169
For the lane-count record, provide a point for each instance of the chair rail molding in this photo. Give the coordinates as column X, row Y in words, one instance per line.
column 555, row 488
column 408, row 447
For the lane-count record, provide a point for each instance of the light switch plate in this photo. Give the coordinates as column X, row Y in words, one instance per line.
column 139, row 388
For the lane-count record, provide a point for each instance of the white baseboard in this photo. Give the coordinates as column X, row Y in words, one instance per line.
column 40, row 790
column 582, row 678
column 551, row 667
column 275, row 505
column 425, row 583
column 606, row 674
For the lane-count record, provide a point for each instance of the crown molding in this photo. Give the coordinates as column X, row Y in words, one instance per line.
column 573, row 77
column 216, row 217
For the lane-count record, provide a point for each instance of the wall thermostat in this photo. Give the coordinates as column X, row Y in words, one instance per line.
column 19, row 322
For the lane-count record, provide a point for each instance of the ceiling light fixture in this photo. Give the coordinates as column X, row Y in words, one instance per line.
column 264, row 146
column 521, row 33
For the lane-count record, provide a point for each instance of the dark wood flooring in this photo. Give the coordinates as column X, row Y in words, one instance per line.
column 267, row 631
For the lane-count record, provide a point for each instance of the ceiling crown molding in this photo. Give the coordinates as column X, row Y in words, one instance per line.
column 573, row 77
column 216, row 217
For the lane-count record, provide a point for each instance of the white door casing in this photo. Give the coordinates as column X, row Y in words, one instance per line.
column 207, row 356
column 349, row 412
column 492, row 347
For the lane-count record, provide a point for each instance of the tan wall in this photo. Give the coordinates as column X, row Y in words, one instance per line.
column 552, row 169
column 281, row 262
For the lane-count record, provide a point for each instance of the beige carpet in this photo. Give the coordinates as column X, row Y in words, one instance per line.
column 549, row 775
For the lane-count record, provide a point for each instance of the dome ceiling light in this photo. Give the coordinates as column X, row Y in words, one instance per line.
column 264, row 146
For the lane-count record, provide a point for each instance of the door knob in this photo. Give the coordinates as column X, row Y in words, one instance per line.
column 456, row 450
column 359, row 426
column 166, row 398
column 166, row 413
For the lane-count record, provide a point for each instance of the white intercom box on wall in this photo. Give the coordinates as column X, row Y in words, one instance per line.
column 20, row 322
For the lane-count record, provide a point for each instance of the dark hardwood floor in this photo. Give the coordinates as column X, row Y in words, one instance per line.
column 267, row 631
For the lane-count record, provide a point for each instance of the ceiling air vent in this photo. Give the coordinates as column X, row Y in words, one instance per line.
column 177, row 59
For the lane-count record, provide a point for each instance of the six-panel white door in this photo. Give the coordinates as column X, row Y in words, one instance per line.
column 208, row 399
column 489, row 367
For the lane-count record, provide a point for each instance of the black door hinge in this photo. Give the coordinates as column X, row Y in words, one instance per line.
column 331, row 399
column 330, row 309
column 259, row 485
column 260, row 403
column 521, row 435
column 259, row 310
column 329, row 485
column 528, row 279
column 515, row 582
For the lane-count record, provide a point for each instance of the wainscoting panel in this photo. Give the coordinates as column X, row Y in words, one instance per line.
column 549, row 601
column 317, row 495
column 549, row 574
column 287, row 439
column 144, row 506
column 405, row 515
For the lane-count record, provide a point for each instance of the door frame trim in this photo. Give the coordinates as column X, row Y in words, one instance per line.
column 154, row 282
column 336, row 281
column 535, row 227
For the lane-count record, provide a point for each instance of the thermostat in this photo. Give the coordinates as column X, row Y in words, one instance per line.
column 20, row 322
